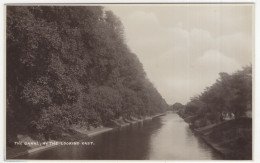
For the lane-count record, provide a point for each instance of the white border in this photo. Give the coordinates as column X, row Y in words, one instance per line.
column 256, row 144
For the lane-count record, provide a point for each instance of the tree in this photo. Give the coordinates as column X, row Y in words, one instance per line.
column 68, row 66
column 229, row 94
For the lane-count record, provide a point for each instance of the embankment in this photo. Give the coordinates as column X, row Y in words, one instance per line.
column 232, row 138
column 75, row 134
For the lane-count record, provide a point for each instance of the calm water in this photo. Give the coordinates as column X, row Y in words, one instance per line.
column 164, row 138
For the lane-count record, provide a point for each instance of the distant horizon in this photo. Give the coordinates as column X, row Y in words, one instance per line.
column 184, row 47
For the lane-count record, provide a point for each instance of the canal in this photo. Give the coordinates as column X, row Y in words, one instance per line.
column 163, row 138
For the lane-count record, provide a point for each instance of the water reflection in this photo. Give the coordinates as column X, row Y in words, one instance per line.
column 165, row 138
column 175, row 141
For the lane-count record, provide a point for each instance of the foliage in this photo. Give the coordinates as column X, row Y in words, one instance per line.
column 229, row 94
column 70, row 65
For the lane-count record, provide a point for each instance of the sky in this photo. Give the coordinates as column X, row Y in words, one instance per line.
column 183, row 47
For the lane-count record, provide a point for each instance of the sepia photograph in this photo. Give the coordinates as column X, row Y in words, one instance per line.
column 148, row 81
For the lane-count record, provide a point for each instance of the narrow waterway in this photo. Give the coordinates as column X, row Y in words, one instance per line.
column 163, row 138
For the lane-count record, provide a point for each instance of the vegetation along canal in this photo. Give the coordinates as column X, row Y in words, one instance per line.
column 139, row 141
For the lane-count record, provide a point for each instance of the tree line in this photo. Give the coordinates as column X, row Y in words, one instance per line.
column 231, row 94
column 71, row 65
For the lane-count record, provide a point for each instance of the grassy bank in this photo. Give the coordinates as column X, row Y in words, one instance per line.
column 231, row 138
column 76, row 133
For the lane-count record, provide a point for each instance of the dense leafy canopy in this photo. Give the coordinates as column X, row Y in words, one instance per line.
column 229, row 94
column 70, row 65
